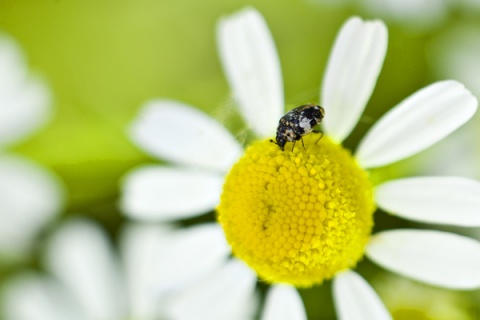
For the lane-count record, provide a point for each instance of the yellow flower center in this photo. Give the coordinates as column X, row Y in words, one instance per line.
column 297, row 216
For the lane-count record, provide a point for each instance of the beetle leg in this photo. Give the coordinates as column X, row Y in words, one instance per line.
column 321, row 135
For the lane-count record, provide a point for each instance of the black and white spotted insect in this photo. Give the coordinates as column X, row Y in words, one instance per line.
column 297, row 123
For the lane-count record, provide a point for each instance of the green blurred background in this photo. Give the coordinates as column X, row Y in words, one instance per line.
column 104, row 58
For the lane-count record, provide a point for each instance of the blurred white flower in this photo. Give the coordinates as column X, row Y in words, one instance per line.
column 86, row 279
column 407, row 299
column 203, row 151
column 415, row 16
column 29, row 195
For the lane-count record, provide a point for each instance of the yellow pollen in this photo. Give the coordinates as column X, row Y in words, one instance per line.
column 297, row 216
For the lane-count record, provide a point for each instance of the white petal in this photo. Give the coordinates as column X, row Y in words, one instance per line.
column 182, row 134
column 30, row 197
column 249, row 308
column 438, row 258
column 253, row 70
column 283, row 303
column 140, row 248
column 165, row 193
column 444, row 200
column 220, row 296
column 352, row 71
column 416, row 123
column 80, row 255
column 31, row 297
column 24, row 111
column 188, row 255
column 13, row 66
column 24, row 101
column 355, row 299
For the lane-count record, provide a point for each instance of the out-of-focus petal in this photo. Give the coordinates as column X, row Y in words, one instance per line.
column 25, row 101
column 179, row 133
column 460, row 61
column 30, row 196
column 412, row 15
column 253, row 70
column 188, row 255
column 438, row 258
column 24, row 111
column 31, row 297
column 165, row 193
column 80, row 255
column 13, row 66
column 141, row 244
column 416, row 123
column 449, row 156
column 352, row 71
column 356, row 299
column 222, row 295
column 283, row 303
column 249, row 309
column 444, row 200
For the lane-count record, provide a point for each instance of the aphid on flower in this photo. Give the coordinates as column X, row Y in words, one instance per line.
column 297, row 123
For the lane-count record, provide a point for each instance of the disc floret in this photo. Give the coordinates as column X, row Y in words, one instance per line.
column 297, row 216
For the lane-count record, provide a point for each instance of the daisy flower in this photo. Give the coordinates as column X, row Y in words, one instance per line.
column 86, row 278
column 305, row 215
column 29, row 194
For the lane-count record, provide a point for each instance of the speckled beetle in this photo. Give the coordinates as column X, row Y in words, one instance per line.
column 297, row 123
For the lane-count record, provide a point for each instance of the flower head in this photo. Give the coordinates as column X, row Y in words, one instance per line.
column 304, row 214
column 86, row 279
column 297, row 217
